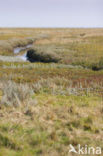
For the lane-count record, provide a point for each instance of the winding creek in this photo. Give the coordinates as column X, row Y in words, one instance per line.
column 17, row 50
column 17, row 57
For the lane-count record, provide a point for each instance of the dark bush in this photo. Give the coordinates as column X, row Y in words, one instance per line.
column 36, row 55
column 98, row 66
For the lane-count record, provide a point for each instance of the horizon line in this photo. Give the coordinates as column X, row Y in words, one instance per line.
column 52, row 27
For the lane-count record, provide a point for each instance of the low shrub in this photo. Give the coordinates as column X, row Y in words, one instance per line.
column 39, row 55
column 98, row 66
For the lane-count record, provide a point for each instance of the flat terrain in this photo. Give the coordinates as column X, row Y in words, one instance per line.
column 44, row 107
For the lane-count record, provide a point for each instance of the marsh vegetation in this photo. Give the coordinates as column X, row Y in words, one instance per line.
column 57, row 99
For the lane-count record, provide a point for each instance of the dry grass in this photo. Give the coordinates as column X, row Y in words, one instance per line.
column 14, row 94
column 7, row 46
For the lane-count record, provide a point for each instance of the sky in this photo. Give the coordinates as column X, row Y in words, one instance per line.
column 51, row 13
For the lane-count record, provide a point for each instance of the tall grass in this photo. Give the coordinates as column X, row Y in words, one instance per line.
column 15, row 94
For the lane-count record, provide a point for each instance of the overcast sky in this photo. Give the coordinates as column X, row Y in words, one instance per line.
column 51, row 13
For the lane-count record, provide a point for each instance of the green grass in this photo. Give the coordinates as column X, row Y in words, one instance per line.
column 51, row 126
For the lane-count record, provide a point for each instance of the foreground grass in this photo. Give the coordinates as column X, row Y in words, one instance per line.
column 51, row 125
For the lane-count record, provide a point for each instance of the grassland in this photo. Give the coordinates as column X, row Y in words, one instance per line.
column 44, row 107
